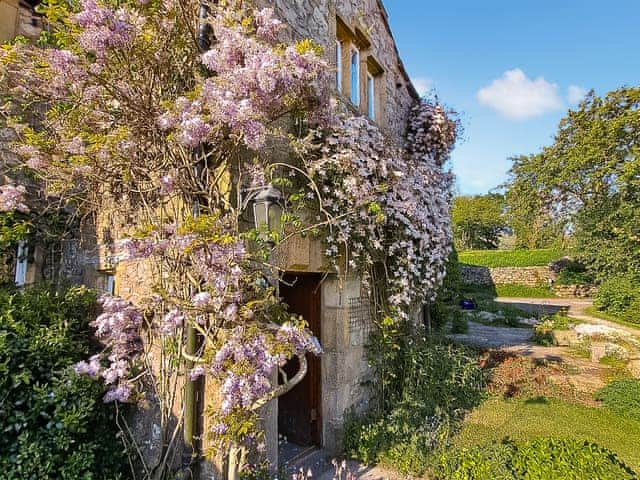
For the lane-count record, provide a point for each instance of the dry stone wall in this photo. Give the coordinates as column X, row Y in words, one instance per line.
column 529, row 276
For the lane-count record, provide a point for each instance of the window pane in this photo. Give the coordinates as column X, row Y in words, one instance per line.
column 355, row 77
column 371, row 97
column 21, row 264
column 339, row 66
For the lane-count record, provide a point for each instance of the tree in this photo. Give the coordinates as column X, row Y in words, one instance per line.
column 590, row 178
column 478, row 221
column 132, row 117
column 529, row 211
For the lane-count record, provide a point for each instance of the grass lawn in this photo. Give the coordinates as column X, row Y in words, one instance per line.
column 524, row 291
column 594, row 312
column 512, row 290
column 527, row 419
column 510, row 258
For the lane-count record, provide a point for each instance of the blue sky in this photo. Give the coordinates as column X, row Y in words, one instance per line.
column 513, row 68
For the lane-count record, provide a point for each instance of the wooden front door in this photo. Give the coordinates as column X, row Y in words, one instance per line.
column 299, row 416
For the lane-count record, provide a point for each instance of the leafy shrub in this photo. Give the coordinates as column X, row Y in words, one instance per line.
column 54, row 423
column 574, row 273
column 622, row 397
column 567, row 459
column 620, row 296
column 435, row 385
column 479, row 463
column 540, row 459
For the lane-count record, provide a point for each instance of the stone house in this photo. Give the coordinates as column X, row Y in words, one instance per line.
column 371, row 80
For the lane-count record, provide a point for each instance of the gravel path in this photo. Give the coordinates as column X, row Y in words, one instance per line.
column 494, row 337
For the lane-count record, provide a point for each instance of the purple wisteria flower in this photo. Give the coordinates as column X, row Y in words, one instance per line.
column 171, row 322
column 118, row 329
column 167, row 186
column 122, row 394
column 91, row 368
column 104, row 28
column 12, row 198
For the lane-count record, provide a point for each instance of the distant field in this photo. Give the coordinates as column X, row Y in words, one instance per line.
column 510, row 258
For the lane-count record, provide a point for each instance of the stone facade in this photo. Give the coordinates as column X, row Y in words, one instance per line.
column 17, row 17
column 361, row 25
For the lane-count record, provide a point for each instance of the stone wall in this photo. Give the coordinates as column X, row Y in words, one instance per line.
column 367, row 23
column 18, row 18
column 529, row 276
column 575, row 291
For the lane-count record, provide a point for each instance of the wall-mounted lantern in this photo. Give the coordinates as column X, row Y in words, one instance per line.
column 267, row 210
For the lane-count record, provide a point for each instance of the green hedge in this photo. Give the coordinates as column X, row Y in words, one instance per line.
column 620, row 296
column 510, row 258
column 539, row 459
column 54, row 424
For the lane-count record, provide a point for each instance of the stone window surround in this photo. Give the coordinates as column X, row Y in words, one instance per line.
column 348, row 40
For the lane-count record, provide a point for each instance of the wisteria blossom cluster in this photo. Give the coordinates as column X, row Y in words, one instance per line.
column 12, row 198
column 251, row 83
column 245, row 364
column 218, row 267
column 119, row 329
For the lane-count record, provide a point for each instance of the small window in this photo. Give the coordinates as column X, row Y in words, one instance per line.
column 355, row 77
column 22, row 263
column 371, row 96
column 339, row 66
column 111, row 285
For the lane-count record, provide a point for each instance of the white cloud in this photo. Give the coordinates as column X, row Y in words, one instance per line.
column 516, row 96
column 575, row 94
column 423, row 85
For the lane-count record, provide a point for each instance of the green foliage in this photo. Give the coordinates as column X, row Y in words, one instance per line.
column 528, row 212
column 434, row 385
column 543, row 332
column 590, row 178
column 620, row 296
column 510, row 258
column 622, row 397
column 14, row 226
column 574, row 273
column 540, row 459
column 448, row 294
column 54, row 423
column 479, row 463
column 523, row 291
column 477, row 221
